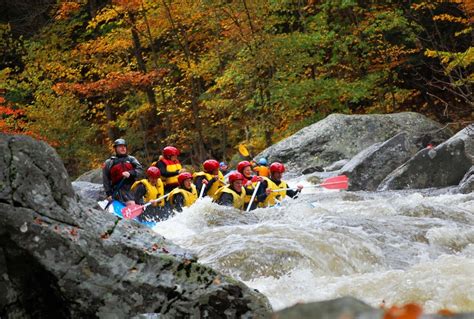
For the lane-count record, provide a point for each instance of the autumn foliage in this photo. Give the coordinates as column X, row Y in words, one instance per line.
column 208, row 75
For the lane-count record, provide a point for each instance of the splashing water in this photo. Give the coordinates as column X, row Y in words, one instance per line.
column 392, row 247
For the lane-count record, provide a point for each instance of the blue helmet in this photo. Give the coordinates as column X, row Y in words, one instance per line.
column 262, row 161
column 222, row 164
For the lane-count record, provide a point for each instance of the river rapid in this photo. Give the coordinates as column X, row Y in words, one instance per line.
column 384, row 247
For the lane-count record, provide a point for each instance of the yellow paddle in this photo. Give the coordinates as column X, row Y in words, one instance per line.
column 243, row 151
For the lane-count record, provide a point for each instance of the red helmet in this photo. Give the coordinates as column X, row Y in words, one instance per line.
column 169, row 151
column 210, row 165
column 242, row 165
column 184, row 176
column 277, row 167
column 235, row 176
column 153, row 172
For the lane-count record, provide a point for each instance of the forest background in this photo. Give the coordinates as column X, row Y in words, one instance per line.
column 207, row 75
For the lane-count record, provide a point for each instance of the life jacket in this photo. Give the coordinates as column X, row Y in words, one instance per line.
column 274, row 196
column 189, row 196
column 215, row 186
column 171, row 167
column 238, row 200
column 152, row 192
column 119, row 165
column 262, row 171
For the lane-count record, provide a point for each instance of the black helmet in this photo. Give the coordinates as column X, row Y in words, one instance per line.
column 120, row 141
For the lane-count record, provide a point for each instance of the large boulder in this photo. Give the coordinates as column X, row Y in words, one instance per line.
column 442, row 166
column 61, row 259
column 92, row 176
column 341, row 136
column 348, row 307
column 345, row 307
column 368, row 168
column 467, row 183
column 87, row 190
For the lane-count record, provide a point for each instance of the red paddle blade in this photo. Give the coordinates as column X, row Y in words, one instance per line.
column 337, row 182
column 132, row 211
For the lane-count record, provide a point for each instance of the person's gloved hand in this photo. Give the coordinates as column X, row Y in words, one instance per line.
column 256, row 178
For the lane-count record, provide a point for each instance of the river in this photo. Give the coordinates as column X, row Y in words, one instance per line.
column 386, row 247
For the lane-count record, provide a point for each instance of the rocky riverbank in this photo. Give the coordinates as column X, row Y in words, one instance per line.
column 60, row 258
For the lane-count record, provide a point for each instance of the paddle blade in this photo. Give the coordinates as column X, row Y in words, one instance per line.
column 243, row 150
column 132, row 211
column 337, row 182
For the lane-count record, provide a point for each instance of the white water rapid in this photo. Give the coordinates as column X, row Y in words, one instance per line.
column 392, row 247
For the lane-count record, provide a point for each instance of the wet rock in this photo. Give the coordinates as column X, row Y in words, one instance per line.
column 368, row 168
column 336, row 165
column 310, row 170
column 86, row 190
column 442, row 166
column 467, row 183
column 341, row 136
column 92, row 176
column 346, row 307
column 62, row 259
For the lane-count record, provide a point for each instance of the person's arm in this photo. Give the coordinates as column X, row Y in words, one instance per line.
column 178, row 202
column 293, row 193
column 140, row 192
column 137, row 170
column 162, row 167
column 198, row 183
column 226, row 199
column 209, row 185
column 261, row 192
column 106, row 179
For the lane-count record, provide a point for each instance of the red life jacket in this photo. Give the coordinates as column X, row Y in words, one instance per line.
column 119, row 166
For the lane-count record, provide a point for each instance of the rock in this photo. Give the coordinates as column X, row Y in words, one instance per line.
column 336, row 165
column 441, row 166
column 92, row 176
column 86, row 190
column 59, row 258
column 467, row 183
column 341, row 136
column 368, row 168
column 310, row 170
column 346, row 307
column 467, row 135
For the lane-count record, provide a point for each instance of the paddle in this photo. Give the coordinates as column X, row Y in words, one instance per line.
column 132, row 211
column 253, row 197
column 337, row 182
column 201, row 193
column 243, row 151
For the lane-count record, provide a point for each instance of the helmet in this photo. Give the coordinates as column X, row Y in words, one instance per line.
column 169, row 151
column 119, row 141
column 263, row 161
column 221, row 164
column 277, row 167
column 242, row 165
column 210, row 165
column 184, row 176
column 153, row 172
column 234, row 176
